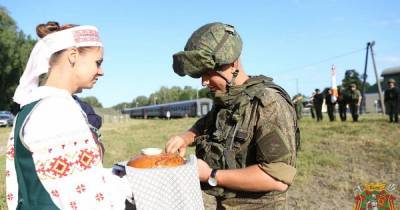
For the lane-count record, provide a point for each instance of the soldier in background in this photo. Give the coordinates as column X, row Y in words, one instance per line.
column 354, row 101
column 246, row 144
column 330, row 104
column 342, row 102
column 392, row 101
column 311, row 104
column 298, row 104
column 318, row 101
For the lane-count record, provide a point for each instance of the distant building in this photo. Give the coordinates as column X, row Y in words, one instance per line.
column 393, row 72
column 372, row 104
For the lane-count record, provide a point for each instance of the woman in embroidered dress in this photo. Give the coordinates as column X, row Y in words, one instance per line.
column 54, row 160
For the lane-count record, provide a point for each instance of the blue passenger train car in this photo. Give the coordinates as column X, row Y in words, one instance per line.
column 189, row 108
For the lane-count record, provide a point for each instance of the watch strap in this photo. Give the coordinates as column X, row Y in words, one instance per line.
column 213, row 173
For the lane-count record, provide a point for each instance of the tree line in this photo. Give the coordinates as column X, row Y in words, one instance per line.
column 15, row 47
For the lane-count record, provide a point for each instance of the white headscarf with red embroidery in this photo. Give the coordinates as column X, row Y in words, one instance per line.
column 38, row 63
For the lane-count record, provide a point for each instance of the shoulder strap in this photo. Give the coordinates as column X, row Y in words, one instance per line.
column 268, row 82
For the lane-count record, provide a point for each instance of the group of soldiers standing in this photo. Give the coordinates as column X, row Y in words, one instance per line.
column 348, row 99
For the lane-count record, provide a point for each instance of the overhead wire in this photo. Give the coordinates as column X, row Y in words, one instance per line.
column 326, row 59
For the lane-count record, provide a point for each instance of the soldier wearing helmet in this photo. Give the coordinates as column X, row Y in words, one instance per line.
column 392, row 101
column 354, row 101
column 246, row 144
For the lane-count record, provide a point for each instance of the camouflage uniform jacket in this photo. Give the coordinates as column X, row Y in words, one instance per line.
column 392, row 95
column 354, row 96
column 259, row 127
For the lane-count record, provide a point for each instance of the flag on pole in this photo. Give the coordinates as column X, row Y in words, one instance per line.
column 333, row 84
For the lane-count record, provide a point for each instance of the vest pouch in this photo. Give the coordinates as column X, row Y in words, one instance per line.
column 215, row 156
column 240, row 140
column 230, row 158
column 242, row 146
column 241, row 136
column 210, row 152
column 200, row 143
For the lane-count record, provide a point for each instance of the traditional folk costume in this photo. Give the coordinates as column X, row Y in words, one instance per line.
column 53, row 160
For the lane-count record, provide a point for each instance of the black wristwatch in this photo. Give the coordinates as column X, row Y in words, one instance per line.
column 212, row 180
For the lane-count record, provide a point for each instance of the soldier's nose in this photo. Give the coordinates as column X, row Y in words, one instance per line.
column 205, row 81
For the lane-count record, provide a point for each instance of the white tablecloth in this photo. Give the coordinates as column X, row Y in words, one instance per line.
column 166, row 188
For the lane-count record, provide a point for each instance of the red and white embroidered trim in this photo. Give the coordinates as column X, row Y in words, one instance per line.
column 10, row 152
column 99, row 197
column 10, row 196
column 55, row 193
column 73, row 205
column 68, row 163
column 81, row 188
column 86, row 36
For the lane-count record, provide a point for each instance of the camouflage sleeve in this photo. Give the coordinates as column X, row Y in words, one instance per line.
column 358, row 94
column 275, row 138
column 200, row 125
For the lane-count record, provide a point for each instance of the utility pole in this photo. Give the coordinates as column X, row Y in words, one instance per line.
column 362, row 108
column 377, row 78
column 297, row 86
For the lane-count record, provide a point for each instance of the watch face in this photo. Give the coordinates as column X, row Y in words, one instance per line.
column 212, row 182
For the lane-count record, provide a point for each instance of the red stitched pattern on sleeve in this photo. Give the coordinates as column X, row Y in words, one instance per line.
column 68, row 163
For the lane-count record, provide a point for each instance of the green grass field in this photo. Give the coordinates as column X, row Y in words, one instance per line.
column 334, row 158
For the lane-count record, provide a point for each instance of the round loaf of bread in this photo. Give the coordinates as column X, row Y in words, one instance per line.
column 156, row 161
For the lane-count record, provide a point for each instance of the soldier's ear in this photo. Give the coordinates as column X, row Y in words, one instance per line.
column 235, row 65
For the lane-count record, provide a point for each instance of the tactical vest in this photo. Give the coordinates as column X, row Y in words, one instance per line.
column 228, row 141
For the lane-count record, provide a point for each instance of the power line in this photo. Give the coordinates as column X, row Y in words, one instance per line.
column 326, row 59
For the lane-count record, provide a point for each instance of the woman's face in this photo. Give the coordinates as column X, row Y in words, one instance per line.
column 88, row 67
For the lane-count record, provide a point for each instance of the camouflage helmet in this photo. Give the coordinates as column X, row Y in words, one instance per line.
column 209, row 47
column 391, row 80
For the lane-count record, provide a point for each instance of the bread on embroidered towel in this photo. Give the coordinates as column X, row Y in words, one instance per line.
column 166, row 188
column 162, row 160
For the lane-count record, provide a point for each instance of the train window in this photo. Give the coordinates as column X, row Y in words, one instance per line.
column 204, row 109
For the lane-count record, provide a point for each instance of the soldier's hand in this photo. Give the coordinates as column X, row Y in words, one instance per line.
column 204, row 170
column 176, row 144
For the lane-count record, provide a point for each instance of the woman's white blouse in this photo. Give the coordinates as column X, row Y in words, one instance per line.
column 66, row 157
